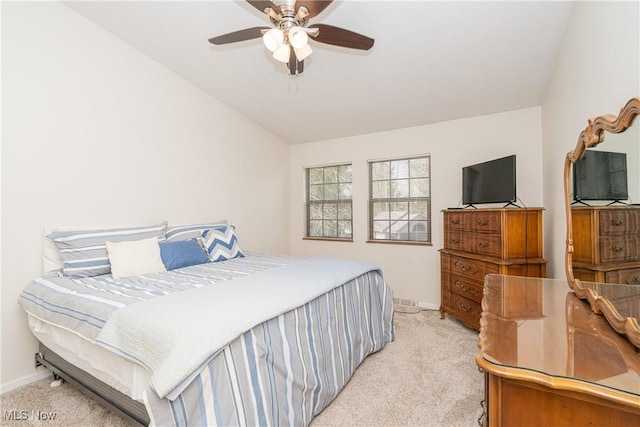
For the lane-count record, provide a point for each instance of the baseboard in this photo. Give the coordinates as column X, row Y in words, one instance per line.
column 428, row 306
column 40, row 374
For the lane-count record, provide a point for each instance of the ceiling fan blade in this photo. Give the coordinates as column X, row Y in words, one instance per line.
column 261, row 5
column 314, row 6
column 340, row 37
column 238, row 36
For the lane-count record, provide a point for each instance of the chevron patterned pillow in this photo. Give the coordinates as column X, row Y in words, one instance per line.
column 221, row 243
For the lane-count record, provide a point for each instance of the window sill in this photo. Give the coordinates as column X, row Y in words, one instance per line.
column 328, row 239
column 401, row 242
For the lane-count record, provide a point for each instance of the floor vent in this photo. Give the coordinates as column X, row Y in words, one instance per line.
column 402, row 305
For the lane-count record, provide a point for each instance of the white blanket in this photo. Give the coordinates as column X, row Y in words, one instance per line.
column 174, row 336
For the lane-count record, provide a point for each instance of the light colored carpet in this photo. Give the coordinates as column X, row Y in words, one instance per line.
column 426, row 377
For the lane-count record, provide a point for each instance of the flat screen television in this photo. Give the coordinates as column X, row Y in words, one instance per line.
column 493, row 181
column 600, row 175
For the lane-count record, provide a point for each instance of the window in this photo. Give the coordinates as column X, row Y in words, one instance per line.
column 329, row 202
column 400, row 200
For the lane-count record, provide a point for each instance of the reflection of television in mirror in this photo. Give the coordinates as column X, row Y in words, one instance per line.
column 490, row 182
column 600, row 175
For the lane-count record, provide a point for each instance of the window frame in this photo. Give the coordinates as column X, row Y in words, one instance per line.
column 309, row 203
column 409, row 199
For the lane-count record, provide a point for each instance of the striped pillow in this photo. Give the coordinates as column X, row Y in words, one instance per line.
column 221, row 243
column 84, row 252
column 186, row 232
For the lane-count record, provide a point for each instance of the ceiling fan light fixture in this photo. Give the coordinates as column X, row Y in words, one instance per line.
column 273, row 39
column 288, row 36
column 282, row 53
column 298, row 37
column 303, row 52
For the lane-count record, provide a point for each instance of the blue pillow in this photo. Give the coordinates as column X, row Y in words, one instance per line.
column 182, row 253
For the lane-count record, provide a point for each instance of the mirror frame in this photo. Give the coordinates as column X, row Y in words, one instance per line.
column 591, row 136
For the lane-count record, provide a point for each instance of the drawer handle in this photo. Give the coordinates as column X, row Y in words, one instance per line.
column 465, row 288
column 618, row 248
column 465, row 308
column 482, row 221
column 455, row 240
column 617, row 221
column 464, row 267
column 455, row 221
column 483, row 244
column 635, row 280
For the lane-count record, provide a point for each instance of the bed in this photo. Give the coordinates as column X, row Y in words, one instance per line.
column 242, row 339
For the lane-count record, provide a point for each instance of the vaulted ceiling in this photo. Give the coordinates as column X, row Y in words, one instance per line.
column 431, row 62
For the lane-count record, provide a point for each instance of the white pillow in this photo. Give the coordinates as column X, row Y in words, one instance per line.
column 132, row 258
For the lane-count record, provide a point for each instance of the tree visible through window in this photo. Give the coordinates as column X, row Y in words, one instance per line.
column 329, row 202
column 400, row 199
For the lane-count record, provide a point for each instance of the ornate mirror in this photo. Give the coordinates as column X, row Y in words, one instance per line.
column 602, row 203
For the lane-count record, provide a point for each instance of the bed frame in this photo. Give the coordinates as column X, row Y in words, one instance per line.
column 91, row 386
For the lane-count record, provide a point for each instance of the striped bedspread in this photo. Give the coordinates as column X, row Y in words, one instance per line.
column 196, row 324
column 283, row 371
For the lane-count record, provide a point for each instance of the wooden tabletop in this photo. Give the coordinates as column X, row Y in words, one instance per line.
column 537, row 330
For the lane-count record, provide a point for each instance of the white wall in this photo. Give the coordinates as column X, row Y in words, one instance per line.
column 96, row 133
column 414, row 271
column 597, row 72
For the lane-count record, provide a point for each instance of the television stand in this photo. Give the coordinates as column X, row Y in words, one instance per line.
column 575, row 202
column 618, row 201
column 511, row 204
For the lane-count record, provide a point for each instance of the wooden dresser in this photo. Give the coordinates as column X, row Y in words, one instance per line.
column 486, row 241
column 606, row 243
column 549, row 360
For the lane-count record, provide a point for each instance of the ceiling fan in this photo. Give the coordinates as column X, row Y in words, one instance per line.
column 288, row 37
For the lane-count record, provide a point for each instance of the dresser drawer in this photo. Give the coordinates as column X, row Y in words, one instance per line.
column 453, row 239
column 454, row 220
column 629, row 276
column 619, row 221
column 484, row 244
column 619, row 248
column 466, row 310
column 469, row 268
column 468, row 288
column 485, row 222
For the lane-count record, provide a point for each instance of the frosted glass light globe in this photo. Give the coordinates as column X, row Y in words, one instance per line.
column 273, row 39
column 303, row 52
column 298, row 37
column 282, row 53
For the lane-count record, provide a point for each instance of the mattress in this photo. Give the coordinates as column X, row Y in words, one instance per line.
column 108, row 367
